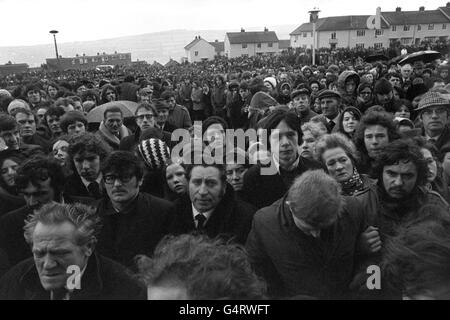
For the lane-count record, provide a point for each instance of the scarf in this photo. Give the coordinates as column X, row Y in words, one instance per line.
column 352, row 185
column 123, row 132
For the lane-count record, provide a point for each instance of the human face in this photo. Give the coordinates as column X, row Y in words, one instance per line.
column 446, row 164
column 284, row 146
column 432, row 165
column 113, row 121
column 9, row 169
column 268, row 85
column 406, row 71
column 121, row 188
column 27, row 125
column 87, row 165
column 37, row 195
column 110, row 95
column 78, row 106
column 329, row 107
column 163, row 114
column 338, row 163
column 349, row 122
column 34, row 96
column 215, row 136
column 235, row 175
column 350, row 86
column 375, row 138
column 76, row 128
column 434, row 119
column 55, row 248
column 176, row 178
column 415, row 101
column 307, row 147
column 315, row 87
column 53, row 124
column 52, row 92
column 395, row 81
column 369, row 77
column 399, row 179
column 385, row 98
column 403, row 112
column 244, row 93
column 81, row 89
column 323, row 82
column 145, row 95
column 443, row 74
column 60, row 151
column 172, row 102
column 301, row 102
column 11, row 138
column 206, row 189
column 41, row 113
column 145, row 119
column 366, row 94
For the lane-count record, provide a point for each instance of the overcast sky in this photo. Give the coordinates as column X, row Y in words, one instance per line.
column 27, row 22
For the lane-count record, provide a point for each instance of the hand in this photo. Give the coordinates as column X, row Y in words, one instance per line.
column 370, row 240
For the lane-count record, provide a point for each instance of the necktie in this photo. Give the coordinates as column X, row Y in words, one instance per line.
column 432, row 140
column 331, row 124
column 200, row 221
column 94, row 190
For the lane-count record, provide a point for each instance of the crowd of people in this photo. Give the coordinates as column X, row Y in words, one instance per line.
column 360, row 154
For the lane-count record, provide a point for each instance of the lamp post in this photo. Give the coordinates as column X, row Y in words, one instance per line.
column 54, row 32
column 313, row 16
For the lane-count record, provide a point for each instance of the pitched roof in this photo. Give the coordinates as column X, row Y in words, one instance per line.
column 445, row 10
column 415, row 17
column 252, row 37
column 193, row 43
column 219, row 46
column 307, row 27
column 346, row 23
column 284, row 44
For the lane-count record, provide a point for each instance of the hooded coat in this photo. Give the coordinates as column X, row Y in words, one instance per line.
column 348, row 99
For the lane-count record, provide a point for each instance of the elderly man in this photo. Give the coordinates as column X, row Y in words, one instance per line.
column 111, row 128
column 330, row 103
column 87, row 152
column 133, row 221
column 433, row 110
column 210, row 205
column 285, row 136
column 65, row 265
column 305, row 243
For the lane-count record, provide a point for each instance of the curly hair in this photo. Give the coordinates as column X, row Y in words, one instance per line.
column 84, row 218
column 72, row 117
column 207, row 268
column 38, row 169
column 402, row 150
column 335, row 140
column 123, row 162
column 88, row 142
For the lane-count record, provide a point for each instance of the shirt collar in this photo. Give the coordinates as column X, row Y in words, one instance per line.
column 87, row 183
column 335, row 120
column 292, row 167
column 195, row 212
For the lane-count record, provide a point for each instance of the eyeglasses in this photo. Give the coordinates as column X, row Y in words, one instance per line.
column 145, row 116
column 438, row 111
column 111, row 178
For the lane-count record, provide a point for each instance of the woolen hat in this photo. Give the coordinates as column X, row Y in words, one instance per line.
column 155, row 153
column 432, row 99
column 272, row 81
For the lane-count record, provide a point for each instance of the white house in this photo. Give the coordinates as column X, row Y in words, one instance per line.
column 199, row 50
column 249, row 44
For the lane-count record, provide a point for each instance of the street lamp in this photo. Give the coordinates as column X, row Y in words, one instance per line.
column 54, row 32
column 313, row 16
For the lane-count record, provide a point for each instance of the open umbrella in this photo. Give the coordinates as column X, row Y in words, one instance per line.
column 425, row 56
column 376, row 57
column 128, row 108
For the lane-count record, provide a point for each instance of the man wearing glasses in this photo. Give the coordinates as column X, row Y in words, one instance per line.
column 433, row 111
column 305, row 243
column 133, row 221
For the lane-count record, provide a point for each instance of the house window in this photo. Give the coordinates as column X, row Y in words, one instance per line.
column 430, row 39
column 245, row 55
column 444, row 26
column 394, row 28
column 360, row 45
column 85, row 60
column 379, row 32
column 196, row 53
column 311, row 34
column 305, row 34
column 360, row 33
column 419, row 27
column 378, row 45
column 93, row 60
column 406, row 40
column 333, row 35
column 270, row 44
column 73, row 61
column 259, row 45
column 405, row 28
column 304, row 46
column 244, row 46
column 431, row 27
column 81, row 61
column 296, row 38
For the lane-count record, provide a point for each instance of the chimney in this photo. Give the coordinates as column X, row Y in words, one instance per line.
column 265, row 29
column 216, row 40
column 448, row 5
column 398, row 9
column 84, row 54
column 242, row 30
column 98, row 53
column 77, row 55
column 421, row 9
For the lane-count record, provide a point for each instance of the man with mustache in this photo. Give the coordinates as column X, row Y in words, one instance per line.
column 112, row 129
column 41, row 181
column 402, row 173
column 86, row 152
column 133, row 221
column 433, row 111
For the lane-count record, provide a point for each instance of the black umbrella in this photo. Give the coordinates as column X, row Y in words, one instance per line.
column 376, row 57
column 425, row 56
column 397, row 59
